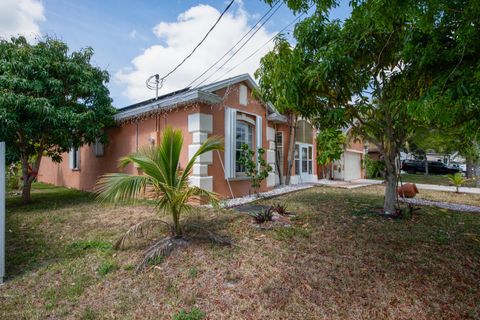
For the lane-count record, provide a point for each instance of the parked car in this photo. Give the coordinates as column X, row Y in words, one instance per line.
column 434, row 167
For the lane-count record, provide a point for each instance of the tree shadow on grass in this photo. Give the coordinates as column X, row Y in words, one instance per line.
column 28, row 246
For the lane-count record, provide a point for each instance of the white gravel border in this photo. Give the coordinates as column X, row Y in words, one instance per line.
column 443, row 205
column 235, row 202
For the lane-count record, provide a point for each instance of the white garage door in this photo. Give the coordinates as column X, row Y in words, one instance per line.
column 353, row 165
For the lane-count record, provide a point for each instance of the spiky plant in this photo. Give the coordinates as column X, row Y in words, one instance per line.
column 170, row 185
column 457, row 180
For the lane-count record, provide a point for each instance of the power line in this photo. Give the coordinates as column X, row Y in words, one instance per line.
column 240, row 48
column 239, row 41
column 160, row 81
column 260, row 48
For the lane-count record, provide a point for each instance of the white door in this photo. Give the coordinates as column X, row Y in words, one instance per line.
column 304, row 161
column 353, row 166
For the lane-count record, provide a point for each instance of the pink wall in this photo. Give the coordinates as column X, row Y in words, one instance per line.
column 123, row 140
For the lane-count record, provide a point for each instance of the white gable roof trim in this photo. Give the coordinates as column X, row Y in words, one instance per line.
column 173, row 101
column 201, row 94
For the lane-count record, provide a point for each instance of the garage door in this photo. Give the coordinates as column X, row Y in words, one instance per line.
column 353, row 166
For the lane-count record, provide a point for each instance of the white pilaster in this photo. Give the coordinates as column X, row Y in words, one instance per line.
column 200, row 125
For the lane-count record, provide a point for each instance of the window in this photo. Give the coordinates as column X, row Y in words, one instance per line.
column 296, row 156
column 279, row 151
column 74, row 155
column 304, row 132
column 242, row 94
column 244, row 135
column 99, row 148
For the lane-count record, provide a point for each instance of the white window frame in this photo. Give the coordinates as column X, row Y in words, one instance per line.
column 251, row 143
column 99, row 148
column 231, row 116
column 74, row 158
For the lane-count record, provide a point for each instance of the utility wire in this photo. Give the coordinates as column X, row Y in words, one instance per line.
column 260, row 48
column 159, row 81
column 240, row 48
column 230, row 50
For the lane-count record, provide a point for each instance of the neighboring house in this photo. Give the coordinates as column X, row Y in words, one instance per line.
column 226, row 108
column 349, row 166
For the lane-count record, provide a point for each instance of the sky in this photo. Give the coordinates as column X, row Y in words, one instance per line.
column 133, row 40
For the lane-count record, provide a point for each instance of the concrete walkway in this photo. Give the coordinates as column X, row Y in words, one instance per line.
column 423, row 186
column 347, row 184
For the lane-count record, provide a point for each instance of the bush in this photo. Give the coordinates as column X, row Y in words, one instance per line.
column 13, row 177
column 262, row 215
column 280, row 208
column 374, row 168
column 106, row 267
column 194, row 314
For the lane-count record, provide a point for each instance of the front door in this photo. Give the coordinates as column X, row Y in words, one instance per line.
column 304, row 161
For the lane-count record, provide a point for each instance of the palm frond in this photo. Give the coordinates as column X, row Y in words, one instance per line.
column 139, row 230
column 211, row 144
column 115, row 187
column 160, row 249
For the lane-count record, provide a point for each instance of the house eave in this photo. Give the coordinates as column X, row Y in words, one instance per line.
column 169, row 104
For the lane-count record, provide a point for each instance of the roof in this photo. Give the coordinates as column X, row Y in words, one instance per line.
column 184, row 96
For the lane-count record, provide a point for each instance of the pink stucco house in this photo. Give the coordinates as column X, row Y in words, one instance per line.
column 226, row 108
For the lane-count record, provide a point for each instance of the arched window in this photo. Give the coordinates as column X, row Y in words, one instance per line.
column 304, row 132
column 244, row 136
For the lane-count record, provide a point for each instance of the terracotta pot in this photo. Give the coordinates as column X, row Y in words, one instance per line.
column 408, row 190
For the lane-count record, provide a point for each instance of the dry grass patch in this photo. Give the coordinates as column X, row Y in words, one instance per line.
column 337, row 261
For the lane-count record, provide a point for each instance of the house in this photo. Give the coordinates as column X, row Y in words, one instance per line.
column 350, row 165
column 226, row 108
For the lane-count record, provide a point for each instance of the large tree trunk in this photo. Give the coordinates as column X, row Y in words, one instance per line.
column 426, row 164
column 477, row 174
column 469, row 168
column 389, row 205
column 291, row 147
column 278, row 162
column 29, row 176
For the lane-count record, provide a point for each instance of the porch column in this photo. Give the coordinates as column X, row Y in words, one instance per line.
column 200, row 125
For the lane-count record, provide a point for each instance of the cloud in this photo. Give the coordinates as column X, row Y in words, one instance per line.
column 20, row 17
column 177, row 39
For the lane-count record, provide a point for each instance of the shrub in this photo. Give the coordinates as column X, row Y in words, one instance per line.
column 106, row 267
column 13, row 177
column 258, row 170
column 373, row 168
column 280, row 208
column 194, row 314
column 457, row 180
column 262, row 215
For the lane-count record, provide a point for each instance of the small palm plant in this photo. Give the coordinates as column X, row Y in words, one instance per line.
column 457, row 180
column 170, row 185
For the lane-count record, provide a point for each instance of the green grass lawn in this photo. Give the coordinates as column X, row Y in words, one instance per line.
column 431, row 179
column 337, row 260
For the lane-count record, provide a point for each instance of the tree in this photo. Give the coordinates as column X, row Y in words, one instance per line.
column 169, row 183
column 257, row 170
column 457, row 180
column 281, row 82
column 391, row 67
column 50, row 101
column 330, row 144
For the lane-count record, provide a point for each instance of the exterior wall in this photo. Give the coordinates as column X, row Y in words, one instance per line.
column 295, row 179
column 122, row 141
column 355, row 146
column 197, row 123
column 241, row 186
